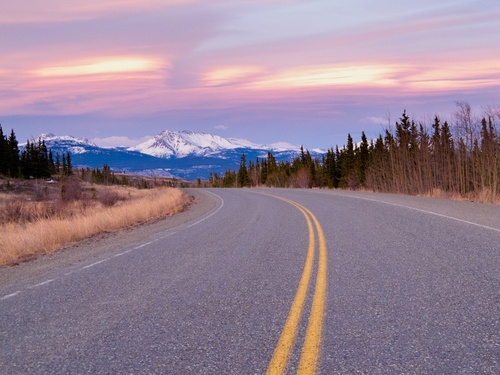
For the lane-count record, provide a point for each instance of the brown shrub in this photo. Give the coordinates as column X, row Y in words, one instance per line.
column 13, row 211
column 109, row 197
column 71, row 189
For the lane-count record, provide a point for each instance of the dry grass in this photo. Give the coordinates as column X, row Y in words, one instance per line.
column 32, row 228
column 483, row 196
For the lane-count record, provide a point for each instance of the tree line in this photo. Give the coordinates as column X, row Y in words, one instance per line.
column 35, row 161
column 408, row 157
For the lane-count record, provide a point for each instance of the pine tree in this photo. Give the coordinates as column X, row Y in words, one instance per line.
column 57, row 164
column 346, row 164
column 69, row 165
column 263, row 171
column 330, row 168
column 52, row 166
column 363, row 159
column 13, row 155
column 3, row 153
column 243, row 179
column 64, row 168
column 229, row 179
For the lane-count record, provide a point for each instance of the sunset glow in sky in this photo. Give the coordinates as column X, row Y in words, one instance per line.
column 302, row 72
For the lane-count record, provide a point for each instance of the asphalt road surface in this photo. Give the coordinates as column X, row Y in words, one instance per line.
column 251, row 280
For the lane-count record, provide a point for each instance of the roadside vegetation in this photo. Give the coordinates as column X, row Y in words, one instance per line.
column 39, row 217
column 45, row 204
column 459, row 159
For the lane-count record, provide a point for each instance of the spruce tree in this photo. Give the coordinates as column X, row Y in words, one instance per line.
column 57, row 164
column 64, row 165
column 52, row 166
column 263, row 171
column 243, row 179
column 13, row 155
column 3, row 153
column 69, row 165
column 363, row 159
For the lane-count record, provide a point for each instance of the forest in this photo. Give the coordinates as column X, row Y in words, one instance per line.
column 459, row 158
column 35, row 161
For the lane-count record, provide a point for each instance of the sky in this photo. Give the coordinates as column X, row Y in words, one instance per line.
column 305, row 72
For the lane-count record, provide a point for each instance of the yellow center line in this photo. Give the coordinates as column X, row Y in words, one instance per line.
column 312, row 343
column 285, row 344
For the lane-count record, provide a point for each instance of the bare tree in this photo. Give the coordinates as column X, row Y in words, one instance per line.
column 466, row 125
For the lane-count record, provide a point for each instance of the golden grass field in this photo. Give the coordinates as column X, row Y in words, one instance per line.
column 30, row 228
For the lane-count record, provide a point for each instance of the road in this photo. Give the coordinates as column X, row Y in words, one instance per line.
column 391, row 285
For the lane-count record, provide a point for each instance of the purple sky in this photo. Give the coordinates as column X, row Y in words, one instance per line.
column 302, row 72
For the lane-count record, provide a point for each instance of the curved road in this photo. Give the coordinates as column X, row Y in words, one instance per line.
column 392, row 285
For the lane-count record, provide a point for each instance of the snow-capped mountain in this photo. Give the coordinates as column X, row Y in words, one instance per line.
column 184, row 154
column 67, row 143
column 180, row 144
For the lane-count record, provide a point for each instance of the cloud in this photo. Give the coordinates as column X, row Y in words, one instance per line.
column 102, row 66
column 230, row 75
column 220, row 127
column 324, row 75
column 119, row 141
column 378, row 120
column 461, row 75
column 57, row 11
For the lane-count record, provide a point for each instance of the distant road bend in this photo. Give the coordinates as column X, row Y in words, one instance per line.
column 268, row 281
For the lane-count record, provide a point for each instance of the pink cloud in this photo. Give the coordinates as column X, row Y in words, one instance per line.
column 25, row 11
column 142, row 57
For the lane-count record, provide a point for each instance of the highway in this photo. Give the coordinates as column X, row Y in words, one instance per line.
column 255, row 281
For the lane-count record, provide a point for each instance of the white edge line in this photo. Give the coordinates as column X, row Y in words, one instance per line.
column 212, row 214
column 124, row 252
column 427, row 212
column 10, row 295
column 94, row 264
column 40, row 284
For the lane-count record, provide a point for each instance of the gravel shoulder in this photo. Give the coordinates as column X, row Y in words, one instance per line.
column 97, row 246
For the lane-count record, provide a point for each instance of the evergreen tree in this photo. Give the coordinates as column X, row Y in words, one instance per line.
column 243, row 179
column 3, row 153
column 107, row 175
column 229, row 179
column 69, row 166
column 64, row 165
column 263, row 171
column 346, row 164
column 52, row 167
column 363, row 159
column 329, row 168
column 57, row 164
column 13, row 155
column 272, row 166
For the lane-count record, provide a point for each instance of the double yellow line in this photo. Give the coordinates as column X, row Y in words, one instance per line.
column 312, row 343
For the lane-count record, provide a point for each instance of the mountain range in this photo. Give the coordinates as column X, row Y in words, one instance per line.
column 180, row 154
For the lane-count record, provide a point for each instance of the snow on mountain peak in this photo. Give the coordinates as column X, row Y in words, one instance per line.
column 49, row 137
column 183, row 143
column 178, row 144
column 70, row 143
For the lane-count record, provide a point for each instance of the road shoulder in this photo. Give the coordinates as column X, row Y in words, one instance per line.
column 97, row 246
